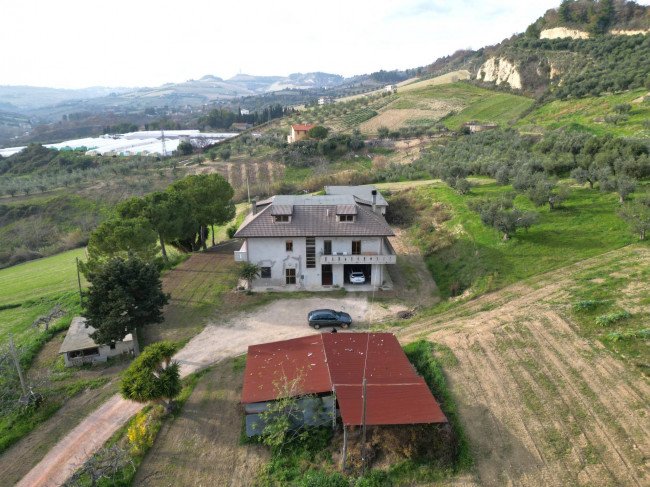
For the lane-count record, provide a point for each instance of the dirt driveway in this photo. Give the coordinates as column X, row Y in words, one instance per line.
column 279, row 320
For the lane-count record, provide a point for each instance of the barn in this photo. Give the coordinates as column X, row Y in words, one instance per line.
column 331, row 369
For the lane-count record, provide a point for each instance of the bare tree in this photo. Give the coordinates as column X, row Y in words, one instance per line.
column 105, row 464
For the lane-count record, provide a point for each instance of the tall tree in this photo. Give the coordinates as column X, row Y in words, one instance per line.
column 169, row 214
column 123, row 295
column 211, row 199
column 121, row 237
column 153, row 376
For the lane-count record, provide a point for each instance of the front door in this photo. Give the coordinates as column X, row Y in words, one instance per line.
column 326, row 273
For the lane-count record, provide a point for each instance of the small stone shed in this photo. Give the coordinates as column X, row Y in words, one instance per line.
column 78, row 348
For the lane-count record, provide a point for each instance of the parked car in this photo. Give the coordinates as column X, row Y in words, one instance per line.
column 328, row 317
column 357, row 278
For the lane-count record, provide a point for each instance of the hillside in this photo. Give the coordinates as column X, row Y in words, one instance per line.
column 419, row 104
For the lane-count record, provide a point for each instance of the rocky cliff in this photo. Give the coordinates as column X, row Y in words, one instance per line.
column 500, row 70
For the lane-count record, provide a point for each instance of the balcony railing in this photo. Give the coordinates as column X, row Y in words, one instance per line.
column 358, row 259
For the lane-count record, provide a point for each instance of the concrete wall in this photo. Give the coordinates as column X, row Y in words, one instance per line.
column 271, row 252
column 104, row 352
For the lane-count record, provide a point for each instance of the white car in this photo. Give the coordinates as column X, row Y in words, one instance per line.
column 357, row 278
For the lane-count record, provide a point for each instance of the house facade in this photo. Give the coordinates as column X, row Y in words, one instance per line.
column 316, row 242
column 298, row 132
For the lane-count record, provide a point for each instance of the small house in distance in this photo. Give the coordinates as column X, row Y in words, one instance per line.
column 325, row 100
column 240, row 127
column 78, row 348
column 390, row 87
column 475, row 126
column 298, row 132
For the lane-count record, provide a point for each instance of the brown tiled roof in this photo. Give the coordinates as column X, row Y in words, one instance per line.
column 303, row 127
column 346, row 209
column 281, row 210
column 314, row 216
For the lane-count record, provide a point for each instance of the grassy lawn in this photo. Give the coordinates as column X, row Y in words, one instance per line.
column 472, row 256
column 40, row 278
column 586, row 115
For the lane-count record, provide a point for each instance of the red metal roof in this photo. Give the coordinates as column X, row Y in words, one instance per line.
column 339, row 362
column 303, row 127
column 389, row 404
column 268, row 364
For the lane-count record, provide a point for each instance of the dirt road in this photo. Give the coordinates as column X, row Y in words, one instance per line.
column 282, row 319
column 541, row 405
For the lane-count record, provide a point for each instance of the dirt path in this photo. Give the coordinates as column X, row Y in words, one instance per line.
column 201, row 446
column 411, row 276
column 540, row 404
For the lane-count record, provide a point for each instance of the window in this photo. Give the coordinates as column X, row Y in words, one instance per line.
column 311, row 253
column 290, row 276
column 281, row 218
column 356, row 247
column 289, row 245
column 112, row 346
column 265, row 272
column 327, row 250
column 346, row 218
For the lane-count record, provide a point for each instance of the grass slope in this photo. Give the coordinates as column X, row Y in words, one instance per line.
column 587, row 115
column 478, row 258
column 40, row 278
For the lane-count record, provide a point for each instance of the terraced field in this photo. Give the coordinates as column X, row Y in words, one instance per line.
column 541, row 403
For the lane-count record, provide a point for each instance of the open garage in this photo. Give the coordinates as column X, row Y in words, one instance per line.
column 365, row 268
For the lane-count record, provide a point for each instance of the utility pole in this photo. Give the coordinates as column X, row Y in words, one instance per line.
column 248, row 188
column 25, row 397
column 164, row 148
column 81, row 302
column 363, row 439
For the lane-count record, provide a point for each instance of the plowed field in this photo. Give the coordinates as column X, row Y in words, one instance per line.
column 541, row 404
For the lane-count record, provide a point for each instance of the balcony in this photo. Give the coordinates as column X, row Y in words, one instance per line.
column 358, row 259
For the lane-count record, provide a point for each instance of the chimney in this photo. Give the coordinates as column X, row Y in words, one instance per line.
column 254, row 206
column 374, row 200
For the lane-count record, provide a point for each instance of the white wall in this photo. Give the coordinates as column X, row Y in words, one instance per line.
column 271, row 252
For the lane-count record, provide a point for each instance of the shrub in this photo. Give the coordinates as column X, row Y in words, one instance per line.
column 612, row 318
column 586, row 305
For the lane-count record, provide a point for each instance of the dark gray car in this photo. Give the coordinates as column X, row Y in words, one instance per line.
column 328, row 317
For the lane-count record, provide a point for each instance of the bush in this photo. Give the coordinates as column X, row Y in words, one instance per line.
column 315, row 478
column 612, row 318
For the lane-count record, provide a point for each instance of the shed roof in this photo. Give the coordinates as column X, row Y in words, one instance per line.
column 272, row 365
column 339, row 362
column 78, row 336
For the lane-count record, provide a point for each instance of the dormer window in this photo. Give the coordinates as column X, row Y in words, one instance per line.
column 281, row 213
column 346, row 213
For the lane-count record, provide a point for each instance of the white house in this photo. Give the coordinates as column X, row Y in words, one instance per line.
column 78, row 348
column 325, row 100
column 390, row 87
column 315, row 242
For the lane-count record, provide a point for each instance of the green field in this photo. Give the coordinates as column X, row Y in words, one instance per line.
column 587, row 115
column 500, row 108
column 472, row 256
column 40, row 278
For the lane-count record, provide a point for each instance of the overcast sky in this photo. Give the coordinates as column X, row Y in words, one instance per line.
column 74, row 44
